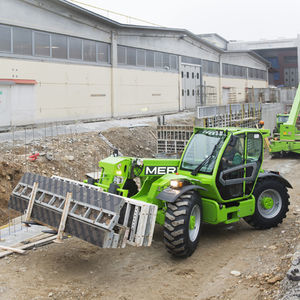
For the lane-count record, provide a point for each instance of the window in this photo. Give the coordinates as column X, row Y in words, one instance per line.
column 191, row 60
column 187, row 92
column 182, row 92
column 193, row 92
column 121, row 55
column 41, row 44
column 290, row 59
column 146, row 58
column 103, row 54
column 158, row 59
column 166, row 60
column 193, row 75
column 234, row 70
column 22, row 41
column 182, row 74
column 233, row 156
column 254, row 155
column 5, row 39
column 89, row 50
column 59, row 46
column 75, row 48
column 197, row 75
column 131, row 56
column 173, row 62
column 250, row 72
column 25, row 41
column 187, row 75
column 140, row 57
column 150, row 59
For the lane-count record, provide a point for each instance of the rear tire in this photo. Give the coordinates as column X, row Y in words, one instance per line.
column 182, row 225
column 269, row 213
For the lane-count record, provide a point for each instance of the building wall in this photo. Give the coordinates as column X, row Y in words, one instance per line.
column 243, row 59
column 214, row 85
column 63, row 91
column 170, row 43
column 49, row 16
column 282, row 61
column 212, row 88
column 69, row 89
column 143, row 92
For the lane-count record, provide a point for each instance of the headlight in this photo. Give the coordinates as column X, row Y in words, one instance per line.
column 119, row 172
column 176, row 184
column 118, row 179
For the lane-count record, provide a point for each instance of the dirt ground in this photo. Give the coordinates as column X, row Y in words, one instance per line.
column 78, row 270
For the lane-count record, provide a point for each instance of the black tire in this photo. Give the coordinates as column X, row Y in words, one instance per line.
column 264, row 218
column 177, row 221
column 131, row 186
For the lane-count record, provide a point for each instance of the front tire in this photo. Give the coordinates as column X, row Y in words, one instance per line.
column 182, row 225
column 271, row 204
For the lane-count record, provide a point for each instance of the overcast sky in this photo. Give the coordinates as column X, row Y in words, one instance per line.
column 232, row 19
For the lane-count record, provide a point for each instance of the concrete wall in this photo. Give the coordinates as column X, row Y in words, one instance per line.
column 269, row 111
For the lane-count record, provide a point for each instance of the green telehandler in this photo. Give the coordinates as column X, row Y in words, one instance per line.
column 219, row 179
column 286, row 134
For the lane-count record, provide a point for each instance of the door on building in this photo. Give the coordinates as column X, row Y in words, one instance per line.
column 225, row 95
column 291, row 77
column 191, row 86
column 5, row 115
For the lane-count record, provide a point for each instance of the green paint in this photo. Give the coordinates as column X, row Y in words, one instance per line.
column 192, row 222
column 0, row 92
column 214, row 208
column 267, row 202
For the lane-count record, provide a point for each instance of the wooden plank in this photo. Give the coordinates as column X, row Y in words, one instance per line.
column 64, row 217
column 12, row 249
column 31, row 202
column 30, row 245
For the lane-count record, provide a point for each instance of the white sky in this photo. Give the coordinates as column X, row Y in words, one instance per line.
column 232, row 19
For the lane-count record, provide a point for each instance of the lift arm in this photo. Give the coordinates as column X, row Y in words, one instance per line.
column 293, row 115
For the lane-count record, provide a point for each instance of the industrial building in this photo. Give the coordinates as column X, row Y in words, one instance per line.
column 283, row 55
column 61, row 62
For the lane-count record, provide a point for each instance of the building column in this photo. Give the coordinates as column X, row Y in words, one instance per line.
column 220, row 100
column 298, row 55
column 180, row 106
column 114, row 63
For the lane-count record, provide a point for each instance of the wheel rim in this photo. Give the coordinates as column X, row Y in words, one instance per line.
column 194, row 223
column 269, row 203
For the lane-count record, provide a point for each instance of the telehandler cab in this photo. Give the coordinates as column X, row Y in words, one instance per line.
column 219, row 179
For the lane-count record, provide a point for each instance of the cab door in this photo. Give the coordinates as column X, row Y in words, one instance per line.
column 254, row 156
column 239, row 166
column 230, row 176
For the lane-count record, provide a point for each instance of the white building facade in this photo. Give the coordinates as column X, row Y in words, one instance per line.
column 60, row 62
